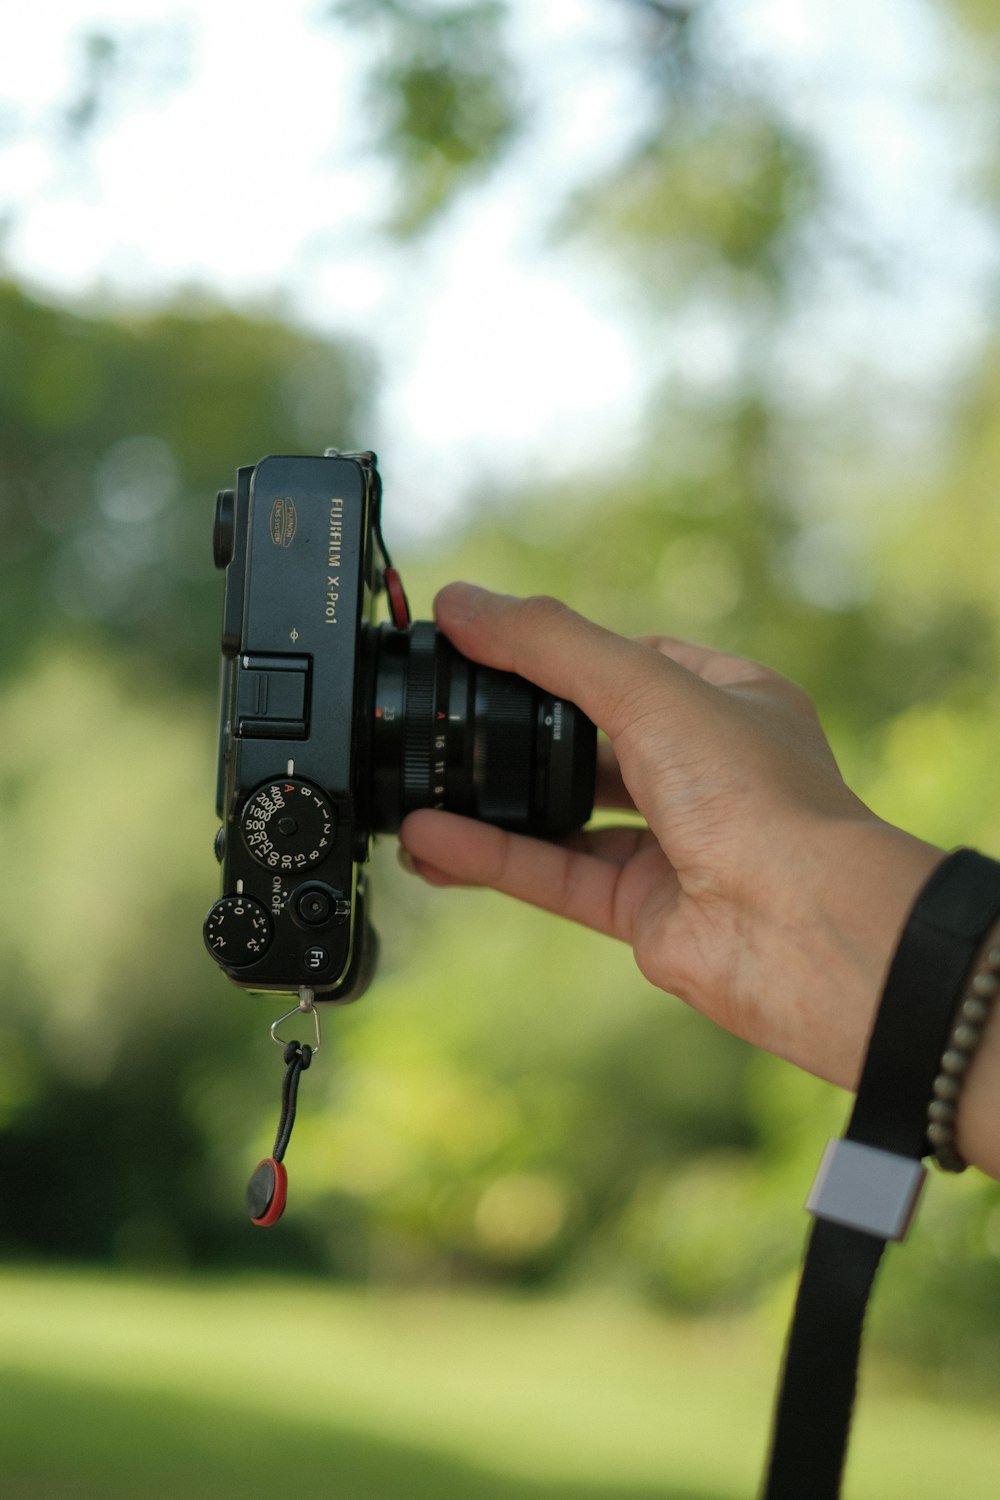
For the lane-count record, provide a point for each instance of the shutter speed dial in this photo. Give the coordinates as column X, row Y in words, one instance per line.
column 288, row 825
column 238, row 931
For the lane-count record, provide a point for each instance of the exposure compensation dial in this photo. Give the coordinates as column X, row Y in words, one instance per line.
column 238, row 931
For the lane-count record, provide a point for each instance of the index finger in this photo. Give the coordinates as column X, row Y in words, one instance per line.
column 611, row 678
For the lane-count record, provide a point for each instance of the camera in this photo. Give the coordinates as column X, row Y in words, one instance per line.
column 335, row 723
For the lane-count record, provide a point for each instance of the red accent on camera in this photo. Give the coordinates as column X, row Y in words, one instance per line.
column 398, row 604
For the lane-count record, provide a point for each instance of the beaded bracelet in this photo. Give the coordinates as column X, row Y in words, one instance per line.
column 971, row 1019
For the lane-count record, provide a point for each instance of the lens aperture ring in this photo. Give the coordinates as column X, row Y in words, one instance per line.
column 449, row 732
column 419, row 716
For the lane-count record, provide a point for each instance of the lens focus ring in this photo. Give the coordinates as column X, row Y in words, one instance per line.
column 504, row 748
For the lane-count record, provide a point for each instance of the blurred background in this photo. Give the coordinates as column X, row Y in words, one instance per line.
column 686, row 313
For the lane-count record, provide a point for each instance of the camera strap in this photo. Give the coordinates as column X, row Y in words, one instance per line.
column 267, row 1189
column 869, row 1182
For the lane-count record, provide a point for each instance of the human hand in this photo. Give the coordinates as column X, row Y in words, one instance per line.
column 761, row 889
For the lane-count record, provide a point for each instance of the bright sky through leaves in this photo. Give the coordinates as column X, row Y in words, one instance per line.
column 230, row 153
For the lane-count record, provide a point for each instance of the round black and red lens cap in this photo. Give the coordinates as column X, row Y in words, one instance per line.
column 266, row 1192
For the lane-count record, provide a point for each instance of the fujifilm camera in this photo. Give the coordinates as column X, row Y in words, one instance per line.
column 340, row 716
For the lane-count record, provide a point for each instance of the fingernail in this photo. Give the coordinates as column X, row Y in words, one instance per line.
column 406, row 860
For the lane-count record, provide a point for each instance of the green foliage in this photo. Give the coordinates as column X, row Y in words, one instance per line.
column 108, row 1017
column 511, row 1103
column 473, row 1125
column 721, row 192
column 441, row 98
column 115, row 434
column 977, row 17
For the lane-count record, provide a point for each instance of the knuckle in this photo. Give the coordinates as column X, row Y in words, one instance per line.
column 501, row 847
column 637, row 712
column 539, row 619
column 541, row 611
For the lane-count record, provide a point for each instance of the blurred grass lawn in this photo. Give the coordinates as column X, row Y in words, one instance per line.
column 122, row 1387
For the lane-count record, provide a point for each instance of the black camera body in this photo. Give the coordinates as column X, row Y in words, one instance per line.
column 333, row 727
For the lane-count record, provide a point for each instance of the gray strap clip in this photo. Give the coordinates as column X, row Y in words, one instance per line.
column 866, row 1188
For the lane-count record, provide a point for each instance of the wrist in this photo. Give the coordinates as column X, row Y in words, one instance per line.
column 977, row 1136
column 880, row 873
column 866, row 878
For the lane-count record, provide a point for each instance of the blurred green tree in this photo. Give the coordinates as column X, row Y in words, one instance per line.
column 115, row 432
column 441, row 92
column 511, row 1101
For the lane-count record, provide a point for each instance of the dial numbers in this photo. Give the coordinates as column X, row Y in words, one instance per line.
column 238, row 931
column 288, row 825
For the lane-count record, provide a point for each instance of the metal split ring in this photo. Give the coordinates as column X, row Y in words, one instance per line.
column 307, row 1003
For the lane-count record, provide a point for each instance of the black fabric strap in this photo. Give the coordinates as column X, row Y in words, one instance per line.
column 813, row 1418
column 952, row 915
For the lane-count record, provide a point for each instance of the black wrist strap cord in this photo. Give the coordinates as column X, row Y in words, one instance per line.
column 869, row 1182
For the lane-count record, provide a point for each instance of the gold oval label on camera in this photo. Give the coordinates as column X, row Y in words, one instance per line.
column 283, row 521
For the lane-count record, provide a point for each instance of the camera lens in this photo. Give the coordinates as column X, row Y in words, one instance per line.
column 450, row 733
